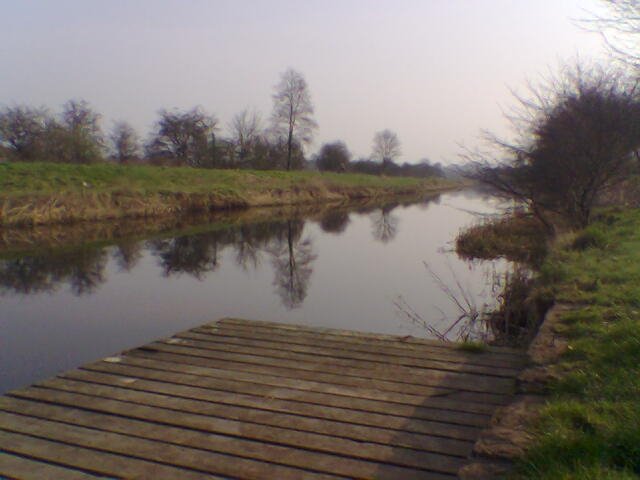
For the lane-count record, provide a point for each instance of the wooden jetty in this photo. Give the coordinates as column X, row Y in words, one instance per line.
column 238, row 399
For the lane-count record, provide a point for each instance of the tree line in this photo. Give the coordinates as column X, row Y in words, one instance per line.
column 192, row 138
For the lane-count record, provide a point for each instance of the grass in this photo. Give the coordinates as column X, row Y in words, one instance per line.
column 46, row 193
column 590, row 426
column 45, row 178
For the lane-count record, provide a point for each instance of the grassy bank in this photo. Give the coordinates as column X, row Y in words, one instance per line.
column 21, row 241
column 45, row 193
column 590, row 426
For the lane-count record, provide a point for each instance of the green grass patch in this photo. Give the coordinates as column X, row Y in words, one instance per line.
column 41, row 178
column 590, row 426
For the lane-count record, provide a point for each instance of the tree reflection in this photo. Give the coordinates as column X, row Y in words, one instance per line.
column 250, row 241
column 127, row 254
column 385, row 224
column 195, row 255
column 82, row 269
column 292, row 258
column 335, row 221
column 87, row 273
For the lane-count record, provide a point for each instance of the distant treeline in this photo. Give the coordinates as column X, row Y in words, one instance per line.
column 179, row 138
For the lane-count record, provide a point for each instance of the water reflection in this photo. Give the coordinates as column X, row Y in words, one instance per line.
column 194, row 255
column 334, row 221
column 127, row 254
column 73, row 294
column 385, row 224
column 292, row 259
column 83, row 270
column 197, row 254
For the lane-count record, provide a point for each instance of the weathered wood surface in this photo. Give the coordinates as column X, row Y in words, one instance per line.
column 242, row 399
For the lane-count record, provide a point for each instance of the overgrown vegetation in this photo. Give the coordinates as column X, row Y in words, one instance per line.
column 521, row 306
column 576, row 136
column 518, row 238
column 588, row 429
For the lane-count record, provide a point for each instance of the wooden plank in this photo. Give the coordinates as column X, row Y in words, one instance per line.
column 431, row 443
column 204, row 462
column 398, row 345
column 337, row 356
column 353, row 335
column 256, row 400
column 384, row 377
column 437, row 409
column 212, row 368
column 158, row 430
column 398, row 348
column 101, row 462
column 88, row 380
column 23, row 468
column 209, row 461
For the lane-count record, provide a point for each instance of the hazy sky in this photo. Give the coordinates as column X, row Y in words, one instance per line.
column 434, row 71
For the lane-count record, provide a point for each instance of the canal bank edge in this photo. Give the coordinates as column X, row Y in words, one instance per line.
column 71, row 208
column 586, row 360
column 508, row 435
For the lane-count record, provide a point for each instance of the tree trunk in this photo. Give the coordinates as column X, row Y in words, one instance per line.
column 289, row 148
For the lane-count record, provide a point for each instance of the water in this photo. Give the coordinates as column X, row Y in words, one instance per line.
column 61, row 307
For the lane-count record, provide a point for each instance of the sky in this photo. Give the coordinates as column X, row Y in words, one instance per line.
column 436, row 72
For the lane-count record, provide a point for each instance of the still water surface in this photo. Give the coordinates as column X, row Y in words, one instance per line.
column 339, row 268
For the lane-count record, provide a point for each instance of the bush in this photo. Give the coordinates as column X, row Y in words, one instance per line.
column 592, row 237
column 519, row 238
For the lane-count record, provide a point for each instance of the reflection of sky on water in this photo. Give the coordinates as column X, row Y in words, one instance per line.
column 343, row 270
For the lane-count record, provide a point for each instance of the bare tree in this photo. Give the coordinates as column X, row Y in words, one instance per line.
column 246, row 131
column 22, row 130
column 125, row 141
column 576, row 136
column 80, row 140
column 386, row 148
column 79, row 115
column 293, row 111
column 183, row 136
column 620, row 28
